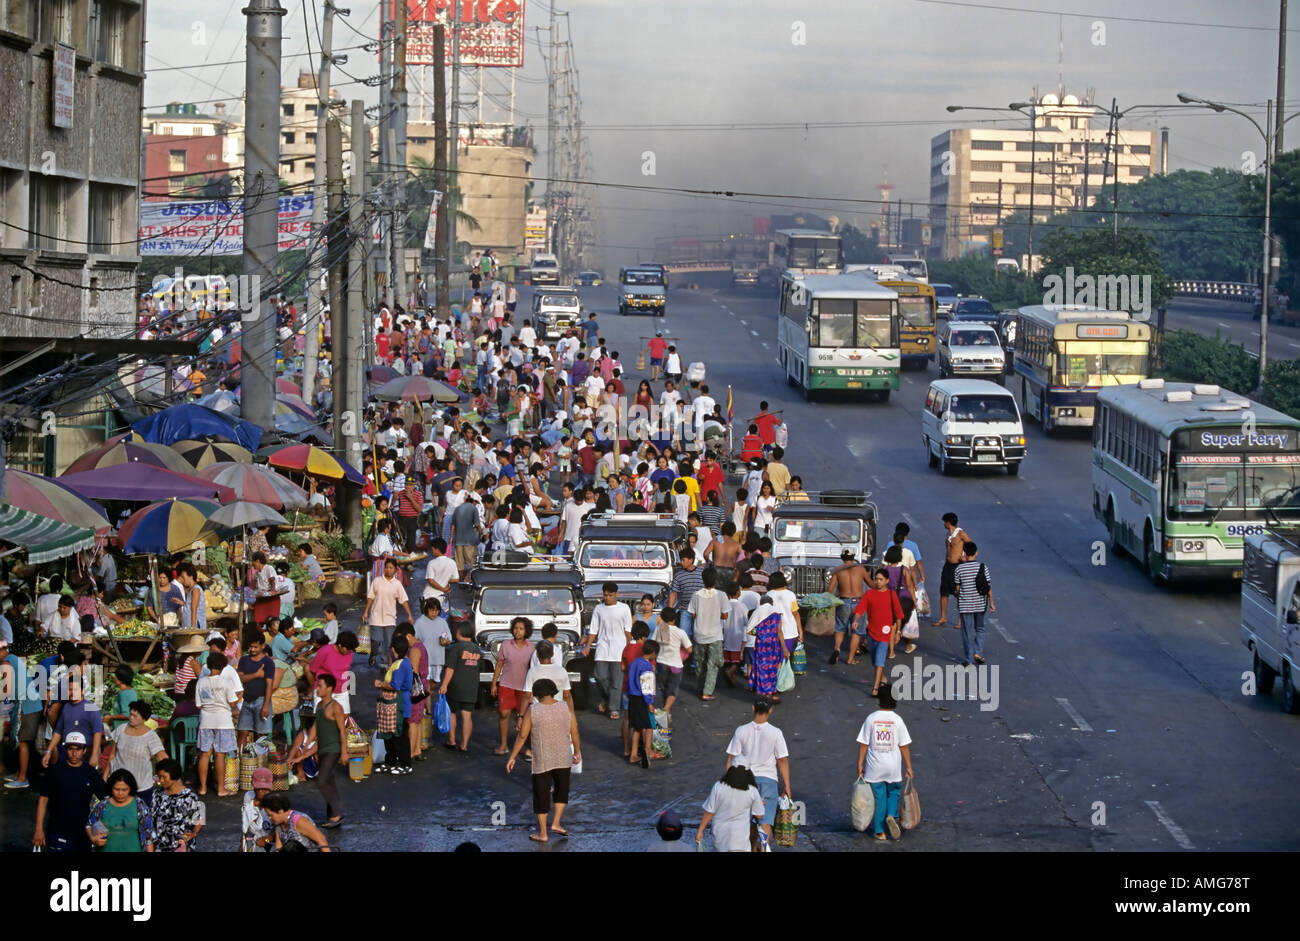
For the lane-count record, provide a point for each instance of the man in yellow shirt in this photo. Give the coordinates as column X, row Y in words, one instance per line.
column 686, row 474
column 777, row 472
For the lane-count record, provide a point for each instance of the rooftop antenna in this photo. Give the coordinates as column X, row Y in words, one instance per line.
column 1060, row 58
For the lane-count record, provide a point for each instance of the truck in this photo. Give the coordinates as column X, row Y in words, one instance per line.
column 555, row 311
column 810, row 532
column 1270, row 610
column 641, row 288
column 639, row 551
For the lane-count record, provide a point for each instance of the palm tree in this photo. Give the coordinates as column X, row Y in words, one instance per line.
column 419, row 196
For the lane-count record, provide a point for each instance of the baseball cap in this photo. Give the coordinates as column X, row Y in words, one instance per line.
column 318, row 636
column 75, row 738
column 669, row 826
column 848, row 554
column 262, row 778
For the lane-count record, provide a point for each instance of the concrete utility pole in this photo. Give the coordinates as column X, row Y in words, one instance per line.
column 450, row 207
column 261, row 205
column 1281, row 79
column 399, row 157
column 441, row 230
column 344, row 419
column 348, row 326
column 313, row 317
column 385, row 154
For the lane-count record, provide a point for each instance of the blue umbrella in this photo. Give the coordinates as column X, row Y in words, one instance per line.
column 189, row 421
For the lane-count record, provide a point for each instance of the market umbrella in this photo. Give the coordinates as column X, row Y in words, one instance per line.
column 286, row 402
column 292, row 425
column 52, row 499
column 44, row 539
column 184, row 422
column 257, row 482
column 142, row 483
column 130, row 452
column 379, row 374
column 308, row 459
column 201, row 454
column 167, row 526
column 288, row 386
column 416, row 389
column 223, row 400
column 242, row 514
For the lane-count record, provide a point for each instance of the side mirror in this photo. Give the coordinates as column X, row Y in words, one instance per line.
column 1292, row 617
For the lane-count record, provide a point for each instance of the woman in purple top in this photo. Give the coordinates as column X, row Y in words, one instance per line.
column 513, row 660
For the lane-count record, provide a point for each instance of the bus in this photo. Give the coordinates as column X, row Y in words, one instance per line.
column 807, row 251
column 916, row 309
column 1066, row 352
column 838, row 332
column 914, row 267
column 1182, row 473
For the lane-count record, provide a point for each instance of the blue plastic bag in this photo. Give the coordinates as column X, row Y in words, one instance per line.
column 442, row 715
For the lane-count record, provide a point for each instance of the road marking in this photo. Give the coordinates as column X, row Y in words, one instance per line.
column 829, row 422
column 777, row 360
column 997, row 626
column 743, row 323
column 1177, row 832
column 1073, row 713
column 754, row 332
column 877, row 482
column 910, row 521
column 909, row 380
column 1289, row 343
column 1069, row 517
column 1222, row 324
column 765, row 347
column 856, row 451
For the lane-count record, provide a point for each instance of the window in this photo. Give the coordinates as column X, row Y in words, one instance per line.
column 1139, row 171
column 286, row 169
column 49, row 212
column 1041, row 147
column 986, row 166
column 108, row 205
column 175, row 161
column 1260, row 573
column 54, row 21
column 107, row 32
column 984, row 187
column 1140, row 149
column 311, row 137
column 1024, row 168
column 288, row 110
column 986, row 145
column 310, row 166
column 290, row 137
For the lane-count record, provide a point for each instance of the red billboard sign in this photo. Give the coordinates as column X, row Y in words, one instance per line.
column 491, row 31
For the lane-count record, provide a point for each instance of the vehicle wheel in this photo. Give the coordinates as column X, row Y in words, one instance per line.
column 1013, row 468
column 1112, row 532
column 1151, row 558
column 929, row 453
column 1264, row 676
column 883, row 395
column 945, row 466
column 1290, row 701
column 1048, row 426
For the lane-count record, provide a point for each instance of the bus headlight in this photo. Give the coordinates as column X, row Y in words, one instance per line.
column 1191, row 545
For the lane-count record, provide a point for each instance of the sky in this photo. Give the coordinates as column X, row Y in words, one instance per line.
column 673, row 77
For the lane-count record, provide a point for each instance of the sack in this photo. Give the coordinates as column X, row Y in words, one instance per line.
column 982, row 586
column 909, row 806
column 862, row 806
column 386, row 716
column 912, row 629
column 660, row 747
column 784, row 830
column 377, row 750
column 363, row 639
column 279, row 771
column 284, row 699
column 230, row 781
column 785, row 677
column 442, row 715
column 419, row 689
column 922, row 600
column 799, row 660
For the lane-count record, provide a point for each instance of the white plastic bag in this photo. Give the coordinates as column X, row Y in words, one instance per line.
column 782, row 435
column 912, row 629
column 922, row 599
column 377, row 750
column 862, row 806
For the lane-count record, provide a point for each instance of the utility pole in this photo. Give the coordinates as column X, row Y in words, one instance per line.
column 399, row 157
column 1281, row 78
column 261, row 205
column 385, row 117
column 348, row 326
column 552, row 205
column 343, row 421
column 314, row 316
column 1114, row 201
column 1269, row 260
column 442, row 250
column 1033, row 168
column 449, row 205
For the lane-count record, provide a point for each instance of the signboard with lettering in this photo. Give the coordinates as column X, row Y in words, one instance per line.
column 491, row 32
column 215, row 227
column 1097, row 331
column 63, row 86
column 1229, row 443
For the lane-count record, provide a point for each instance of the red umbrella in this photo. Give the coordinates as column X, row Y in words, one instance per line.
column 287, row 385
column 130, row 452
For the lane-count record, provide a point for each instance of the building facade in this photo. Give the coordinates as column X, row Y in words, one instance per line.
column 979, row 176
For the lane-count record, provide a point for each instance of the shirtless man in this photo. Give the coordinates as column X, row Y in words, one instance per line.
column 848, row 582
column 723, row 553
column 957, row 538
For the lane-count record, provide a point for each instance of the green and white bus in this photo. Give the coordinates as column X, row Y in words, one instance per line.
column 1182, row 473
column 807, row 251
column 839, row 332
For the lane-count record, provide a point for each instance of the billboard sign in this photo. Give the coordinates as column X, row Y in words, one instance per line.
column 197, row 227
column 63, row 86
column 491, row 31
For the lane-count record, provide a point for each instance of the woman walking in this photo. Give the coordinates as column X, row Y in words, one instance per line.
column 769, row 650
column 513, row 659
column 903, row 581
column 556, row 751
column 136, row 747
column 732, row 805
column 120, row 823
column 177, row 813
column 763, row 509
column 325, row 741
column 393, row 711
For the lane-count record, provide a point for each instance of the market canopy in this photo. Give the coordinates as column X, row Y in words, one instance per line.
column 314, row 461
column 416, row 389
column 166, row 527
column 129, row 452
column 44, row 539
column 257, row 482
column 188, row 421
column 241, row 514
column 51, row 498
column 143, row 483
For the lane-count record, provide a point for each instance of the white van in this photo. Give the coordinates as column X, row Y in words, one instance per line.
column 1270, row 611
column 972, row 422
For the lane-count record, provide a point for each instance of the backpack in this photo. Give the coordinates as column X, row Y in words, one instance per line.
column 982, row 586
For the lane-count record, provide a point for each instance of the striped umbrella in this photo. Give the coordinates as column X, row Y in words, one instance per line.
column 47, row 497
column 284, row 402
column 258, row 483
column 308, row 459
column 415, row 389
column 242, row 514
column 166, row 527
column 44, row 539
column 203, row 454
column 130, row 452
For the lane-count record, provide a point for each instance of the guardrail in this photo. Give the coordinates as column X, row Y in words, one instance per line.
column 1225, row 290
column 699, row 266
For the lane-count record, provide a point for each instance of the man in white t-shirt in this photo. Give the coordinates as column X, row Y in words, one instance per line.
column 441, row 572
column 763, row 744
column 571, row 519
column 546, row 669
column 702, row 405
column 788, row 604
column 610, row 630
column 527, row 335
column 882, row 742
column 707, row 609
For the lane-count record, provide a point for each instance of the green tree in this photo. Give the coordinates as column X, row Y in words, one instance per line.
column 1092, row 252
column 1187, row 356
column 860, row 248
column 974, row 275
column 419, row 198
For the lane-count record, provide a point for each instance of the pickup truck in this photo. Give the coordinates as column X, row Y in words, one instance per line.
column 1270, row 611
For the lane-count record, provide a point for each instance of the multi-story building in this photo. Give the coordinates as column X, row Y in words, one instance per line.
column 978, row 176
column 299, row 108
column 185, row 149
column 69, row 166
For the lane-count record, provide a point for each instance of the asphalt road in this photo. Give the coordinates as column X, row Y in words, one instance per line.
column 1119, row 721
column 1232, row 321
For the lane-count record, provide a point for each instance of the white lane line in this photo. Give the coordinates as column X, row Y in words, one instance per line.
column 1069, row 517
column 765, row 346
column 1073, row 713
column 997, row 626
column 909, row 380
column 876, row 481
column 1177, row 832
column 1289, row 343
column 754, row 332
column 829, row 422
column 855, row 450
column 910, row 521
column 743, row 323
column 1222, row 324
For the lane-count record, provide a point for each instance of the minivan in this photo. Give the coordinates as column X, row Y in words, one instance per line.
column 1270, row 610
column 972, row 422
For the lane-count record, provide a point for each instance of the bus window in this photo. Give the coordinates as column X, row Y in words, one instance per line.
column 873, row 324
column 1196, row 489
column 834, row 323
column 917, row 311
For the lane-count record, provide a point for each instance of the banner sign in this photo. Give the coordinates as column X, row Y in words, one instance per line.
column 63, row 85
column 196, row 227
column 491, row 32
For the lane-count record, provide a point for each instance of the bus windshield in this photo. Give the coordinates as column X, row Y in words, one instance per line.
column 1223, row 486
column 814, row 253
column 837, row 319
column 917, row 311
column 643, row 277
column 1092, row 369
column 983, row 408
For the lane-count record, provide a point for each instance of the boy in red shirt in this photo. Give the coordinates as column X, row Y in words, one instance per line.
column 884, row 615
column 640, row 631
column 657, row 346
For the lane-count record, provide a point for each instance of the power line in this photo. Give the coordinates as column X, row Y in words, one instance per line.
column 1002, row 8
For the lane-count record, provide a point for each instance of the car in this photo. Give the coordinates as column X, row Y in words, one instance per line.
column 974, row 308
column 809, row 535
column 972, row 422
column 589, row 279
column 641, row 287
column 970, row 349
column 545, row 269
column 556, row 310
column 1270, row 611
column 944, row 297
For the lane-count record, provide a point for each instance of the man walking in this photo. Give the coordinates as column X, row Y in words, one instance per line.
column 848, row 582
column 610, row 630
column 881, row 742
column 688, row 580
column 707, row 608
column 466, row 533
column 763, row 745
column 385, row 594
column 957, row 538
column 974, row 600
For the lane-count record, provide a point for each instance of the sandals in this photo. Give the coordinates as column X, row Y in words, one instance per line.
column 910, row 648
column 560, row 830
column 538, row 838
column 978, row 659
column 615, row 715
column 501, row 751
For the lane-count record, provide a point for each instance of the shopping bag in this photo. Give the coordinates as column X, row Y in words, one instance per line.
column 442, row 715
column 799, row 660
column 785, row 677
column 659, row 745
column 363, row 639
column 576, row 769
column 785, row 829
column 377, row 750
column 909, row 806
column 922, row 599
column 862, row 806
column 912, row 629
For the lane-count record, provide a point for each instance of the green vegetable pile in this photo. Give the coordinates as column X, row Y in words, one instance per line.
column 218, row 559
column 298, row 572
column 290, row 539
column 163, row 705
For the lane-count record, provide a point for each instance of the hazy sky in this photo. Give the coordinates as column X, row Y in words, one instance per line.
column 888, row 66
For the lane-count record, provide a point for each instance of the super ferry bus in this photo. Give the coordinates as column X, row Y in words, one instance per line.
column 807, row 251
column 838, row 332
column 1066, row 353
column 1182, row 473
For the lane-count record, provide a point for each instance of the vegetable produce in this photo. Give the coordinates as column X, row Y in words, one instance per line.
column 298, row 572
column 135, row 627
column 145, row 689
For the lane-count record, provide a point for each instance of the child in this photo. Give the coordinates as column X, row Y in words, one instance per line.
column 738, row 511
column 640, row 631
column 126, row 695
column 641, row 699
column 681, row 500
column 331, row 615
column 549, row 634
column 733, row 633
column 284, row 584
column 564, row 458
